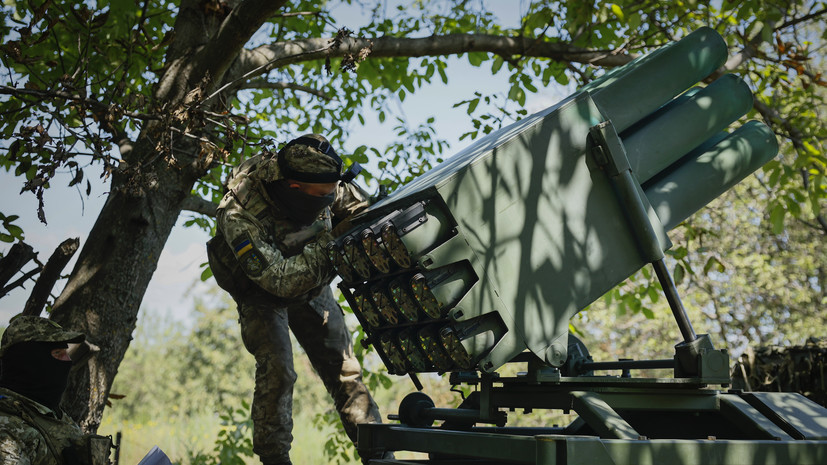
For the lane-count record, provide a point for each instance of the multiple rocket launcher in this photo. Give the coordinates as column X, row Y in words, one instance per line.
column 493, row 251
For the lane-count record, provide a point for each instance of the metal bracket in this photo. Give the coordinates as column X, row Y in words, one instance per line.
column 608, row 152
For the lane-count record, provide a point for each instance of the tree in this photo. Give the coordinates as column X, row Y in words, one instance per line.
column 165, row 95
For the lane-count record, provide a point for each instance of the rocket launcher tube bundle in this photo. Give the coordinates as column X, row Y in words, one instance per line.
column 530, row 221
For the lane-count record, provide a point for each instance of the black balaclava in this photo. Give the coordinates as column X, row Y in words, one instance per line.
column 300, row 207
column 29, row 369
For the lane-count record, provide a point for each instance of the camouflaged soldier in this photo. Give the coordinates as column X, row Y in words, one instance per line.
column 35, row 370
column 269, row 254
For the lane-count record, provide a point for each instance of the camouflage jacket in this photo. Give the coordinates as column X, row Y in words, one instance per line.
column 31, row 433
column 263, row 246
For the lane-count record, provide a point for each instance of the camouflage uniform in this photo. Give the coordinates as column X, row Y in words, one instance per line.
column 32, row 433
column 279, row 275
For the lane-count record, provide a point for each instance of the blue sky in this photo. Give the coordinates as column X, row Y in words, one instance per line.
column 71, row 214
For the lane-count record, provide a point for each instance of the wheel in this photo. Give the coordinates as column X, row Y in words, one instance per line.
column 412, row 410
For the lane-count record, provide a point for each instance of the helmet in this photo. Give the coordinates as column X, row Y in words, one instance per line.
column 310, row 158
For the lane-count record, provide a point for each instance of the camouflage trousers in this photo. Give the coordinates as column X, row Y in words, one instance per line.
column 319, row 327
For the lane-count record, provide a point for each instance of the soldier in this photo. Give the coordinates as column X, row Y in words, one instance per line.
column 35, row 369
column 269, row 253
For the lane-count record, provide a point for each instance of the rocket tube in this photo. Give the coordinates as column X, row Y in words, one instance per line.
column 649, row 83
column 683, row 127
column 700, row 177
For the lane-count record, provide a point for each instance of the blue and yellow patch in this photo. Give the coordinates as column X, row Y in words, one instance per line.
column 250, row 259
column 243, row 248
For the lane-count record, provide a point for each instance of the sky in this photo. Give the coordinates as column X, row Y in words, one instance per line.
column 176, row 282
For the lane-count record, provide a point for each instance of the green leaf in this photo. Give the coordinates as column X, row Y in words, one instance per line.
column 15, row 231
column 713, row 263
column 442, row 74
column 653, row 294
column 777, row 218
column 497, row 64
column 617, row 11
column 476, row 58
column 680, row 274
column 472, row 105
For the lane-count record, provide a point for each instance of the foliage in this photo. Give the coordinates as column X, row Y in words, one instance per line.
column 13, row 232
column 337, row 446
column 234, row 441
column 171, row 371
column 766, row 288
column 158, row 95
column 197, row 412
column 101, row 61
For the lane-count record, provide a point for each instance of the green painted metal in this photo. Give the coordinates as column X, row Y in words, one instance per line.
column 639, row 88
column 687, row 125
column 523, row 194
column 596, row 411
column 544, row 216
column 567, row 450
column 701, row 176
column 624, row 424
column 803, row 417
column 507, row 240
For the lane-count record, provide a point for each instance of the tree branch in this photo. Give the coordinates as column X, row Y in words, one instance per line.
column 49, row 275
column 749, row 51
column 17, row 257
column 236, row 29
column 20, row 281
column 802, row 19
column 52, row 94
column 197, row 204
column 795, row 137
column 264, row 84
column 382, row 47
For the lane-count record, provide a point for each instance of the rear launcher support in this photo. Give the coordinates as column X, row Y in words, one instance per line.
column 484, row 260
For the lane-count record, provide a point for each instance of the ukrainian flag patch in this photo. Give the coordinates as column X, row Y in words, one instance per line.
column 242, row 248
column 251, row 260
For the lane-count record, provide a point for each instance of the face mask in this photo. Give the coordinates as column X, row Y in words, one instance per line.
column 300, row 207
column 29, row 369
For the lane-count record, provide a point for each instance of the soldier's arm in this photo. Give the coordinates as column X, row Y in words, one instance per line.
column 265, row 265
column 350, row 200
column 13, row 449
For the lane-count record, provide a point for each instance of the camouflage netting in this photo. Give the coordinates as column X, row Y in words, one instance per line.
column 785, row 369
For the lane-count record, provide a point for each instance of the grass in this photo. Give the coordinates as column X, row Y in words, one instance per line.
column 181, row 438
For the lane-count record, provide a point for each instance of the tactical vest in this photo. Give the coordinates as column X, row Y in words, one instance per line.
column 67, row 445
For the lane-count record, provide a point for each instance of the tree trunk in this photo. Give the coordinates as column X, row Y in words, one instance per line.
column 105, row 289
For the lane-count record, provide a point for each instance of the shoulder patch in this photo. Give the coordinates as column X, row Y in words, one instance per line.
column 243, row 246
column 251, row 260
